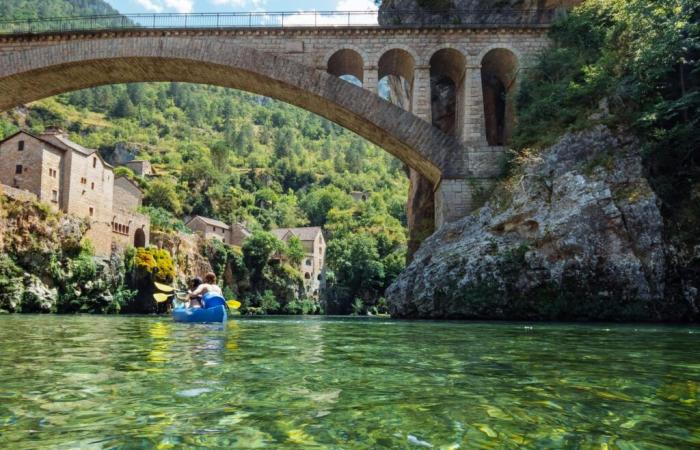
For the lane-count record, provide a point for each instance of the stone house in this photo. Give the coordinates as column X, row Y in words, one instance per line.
column 312, row 265
column 208, row 228
column 360, row 196
column 77, row 181
column 140, row 167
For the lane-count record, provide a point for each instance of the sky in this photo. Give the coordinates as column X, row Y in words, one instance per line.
column 203, row 6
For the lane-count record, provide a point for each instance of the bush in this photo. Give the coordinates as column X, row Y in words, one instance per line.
column 155, row 263
column 11, row 287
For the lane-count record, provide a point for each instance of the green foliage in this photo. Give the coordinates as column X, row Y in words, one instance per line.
column 640, row 60
column 320, row 201
column 295, row 250
column 11, row 285
column 257, row 251
column 304, row 306
column 162, row 194
column 155, row 263
column 163, row 220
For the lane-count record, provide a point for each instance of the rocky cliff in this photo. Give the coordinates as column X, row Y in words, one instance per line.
column 44, row 266
column 575, row 234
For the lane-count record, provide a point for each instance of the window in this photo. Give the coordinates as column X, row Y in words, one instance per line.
column 92, row 211
column 94, row 162
column 92, row 185
column 308, row 261
column 54, row 196
column 83, row 181
column 20, row 146
column 18, row 169
column 307, row 275
column 53, row 173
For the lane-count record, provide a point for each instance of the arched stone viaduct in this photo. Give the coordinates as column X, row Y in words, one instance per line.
column 453, row 153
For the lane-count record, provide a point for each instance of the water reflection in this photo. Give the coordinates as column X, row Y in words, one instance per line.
column 94, row 382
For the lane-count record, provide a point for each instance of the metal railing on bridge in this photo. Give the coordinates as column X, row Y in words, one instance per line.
column 387, row 19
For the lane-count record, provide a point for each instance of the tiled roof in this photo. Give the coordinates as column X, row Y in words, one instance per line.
column 212, row 222
column 303, row 233
column 63, row 142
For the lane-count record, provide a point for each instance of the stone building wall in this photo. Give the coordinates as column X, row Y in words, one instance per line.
column 41, row 167
column 126, row 194
column 209, row 231
column 90, row 187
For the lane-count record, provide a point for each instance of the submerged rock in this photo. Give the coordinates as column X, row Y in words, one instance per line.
column 576, row 234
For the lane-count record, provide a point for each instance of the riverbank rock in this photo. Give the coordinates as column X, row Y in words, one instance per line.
column 38, row 297
column 575, row 234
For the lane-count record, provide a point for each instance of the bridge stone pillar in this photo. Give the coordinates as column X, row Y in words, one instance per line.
column 477, row 121
column 421, row 94
column 370, row 80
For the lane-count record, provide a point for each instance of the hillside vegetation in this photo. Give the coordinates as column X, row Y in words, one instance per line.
column 634, row 65
column 233, row 156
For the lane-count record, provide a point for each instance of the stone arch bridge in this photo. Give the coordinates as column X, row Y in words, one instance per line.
column 457, row 84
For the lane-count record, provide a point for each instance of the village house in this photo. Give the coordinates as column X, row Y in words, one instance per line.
column 77, row 181
column 312, row 264
column 140, row 167
column 360, row 196
column 208, row 228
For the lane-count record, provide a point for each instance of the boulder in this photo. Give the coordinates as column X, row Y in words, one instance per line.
column 576, row 233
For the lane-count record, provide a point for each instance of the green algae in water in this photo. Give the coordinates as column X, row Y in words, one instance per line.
column 142, row 382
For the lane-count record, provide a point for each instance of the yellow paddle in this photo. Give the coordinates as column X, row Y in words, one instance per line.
column 233, row 304
column 160, row 297
column 163, row 287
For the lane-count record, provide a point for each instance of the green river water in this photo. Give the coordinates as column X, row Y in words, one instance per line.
column 145, row 382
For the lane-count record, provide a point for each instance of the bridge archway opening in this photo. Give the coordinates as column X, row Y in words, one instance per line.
column 498, row 80
column 447, row 70
column 396, row 70
column 347, row 64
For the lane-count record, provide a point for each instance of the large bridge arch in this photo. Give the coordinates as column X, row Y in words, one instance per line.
column 34, row 73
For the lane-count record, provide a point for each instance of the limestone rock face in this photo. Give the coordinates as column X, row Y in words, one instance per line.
column 185, row 250
column 578, row 234
column 38, row 297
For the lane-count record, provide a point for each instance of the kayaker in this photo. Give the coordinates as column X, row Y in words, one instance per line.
column 194, row 301
column 209, row 286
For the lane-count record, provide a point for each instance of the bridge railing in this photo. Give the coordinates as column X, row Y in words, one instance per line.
column 388, row 19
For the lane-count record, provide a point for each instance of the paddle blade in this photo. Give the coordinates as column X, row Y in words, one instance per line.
column 233, row 304
column 163, row 287
column 160, row 298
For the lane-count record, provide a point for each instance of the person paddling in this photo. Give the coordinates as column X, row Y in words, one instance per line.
column 208, row 287
column 195, row 301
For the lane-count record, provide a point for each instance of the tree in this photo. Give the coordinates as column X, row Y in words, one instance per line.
column 161, row 193
column 123, row 108
column 319, row 202
column 295, row 250
column 257, row 251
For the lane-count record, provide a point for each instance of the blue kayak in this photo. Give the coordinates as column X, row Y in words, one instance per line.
column 200, row 315
column 214, row 311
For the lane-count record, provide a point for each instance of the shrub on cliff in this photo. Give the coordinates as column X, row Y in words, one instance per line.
column 154, row 263
column 11, row 287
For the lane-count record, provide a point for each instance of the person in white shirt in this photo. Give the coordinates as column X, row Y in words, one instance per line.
column 209, row 286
